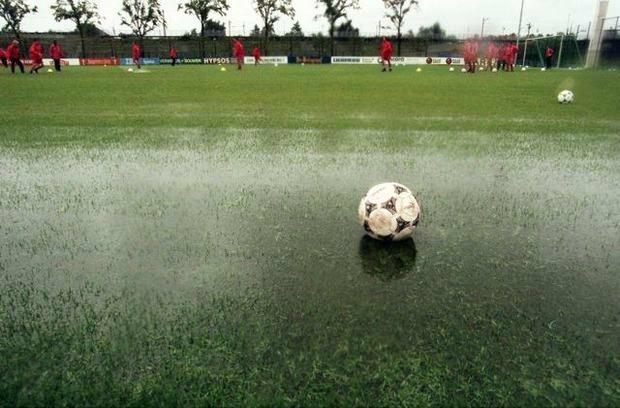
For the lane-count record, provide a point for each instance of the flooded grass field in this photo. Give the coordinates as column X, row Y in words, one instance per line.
column 189, row 238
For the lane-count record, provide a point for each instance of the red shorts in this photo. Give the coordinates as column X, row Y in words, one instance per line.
column 37, row 61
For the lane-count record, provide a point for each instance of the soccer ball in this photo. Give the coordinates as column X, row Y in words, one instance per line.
column 463, row 70
column 223, row 69
column 481, row 69
column 389, row 212
column 50, row 71
column 494, row 69
column 566, row 96
column 523, row 69
column 543, row 69
column 275, row 65
column 451, row 69
column 130, row 70
column 418, row 70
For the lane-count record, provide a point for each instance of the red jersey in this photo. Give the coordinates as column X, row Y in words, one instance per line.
column 135, row 51
column 55, row 52
column 238, row 49
column 386, row 49
column 12, row 51
column 36, row 52
column 256, row 53
column 491, row 51
column 549, row 52
column 3, row 54
column 173, row 53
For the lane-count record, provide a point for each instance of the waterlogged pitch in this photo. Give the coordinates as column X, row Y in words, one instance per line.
column 189, row 236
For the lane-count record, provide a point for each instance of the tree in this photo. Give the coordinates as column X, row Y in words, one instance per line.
column 255, row 31
column 202, row 9
column 13, row 12
column 296, row 31
column 270, row 12
column 396, row 12
column 334, row 11
column 81, row 12
column 433, row 32
column 141, row 16
column 347, row 30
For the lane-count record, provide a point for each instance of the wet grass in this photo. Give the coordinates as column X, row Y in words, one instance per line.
column 188, row 237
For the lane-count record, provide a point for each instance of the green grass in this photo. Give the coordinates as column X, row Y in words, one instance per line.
column 188, row 237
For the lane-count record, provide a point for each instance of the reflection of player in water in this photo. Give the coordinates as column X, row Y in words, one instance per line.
column 387, row 260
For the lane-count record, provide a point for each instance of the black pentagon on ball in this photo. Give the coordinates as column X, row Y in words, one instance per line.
column 402, row 224
column 399, row 189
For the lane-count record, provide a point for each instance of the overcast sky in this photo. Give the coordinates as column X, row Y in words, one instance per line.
column 459, row 17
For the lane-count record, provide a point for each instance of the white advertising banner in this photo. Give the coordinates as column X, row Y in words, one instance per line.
column 267, row 60
column 400, row 60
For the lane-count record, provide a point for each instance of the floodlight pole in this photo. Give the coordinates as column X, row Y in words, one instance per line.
column 520, row 22
column 484, row 20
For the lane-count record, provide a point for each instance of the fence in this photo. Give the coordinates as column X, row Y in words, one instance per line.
column 317, row 46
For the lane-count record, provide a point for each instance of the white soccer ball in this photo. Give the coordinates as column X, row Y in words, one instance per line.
column 451, row 69
column 481, row 69
column 130, row 70
column 494, row 69
column 566, row 96
column 463, row 70
column 389, row 212
column 50, row 71
column 275, row 65
column 523, row 69
column 543, row 69
column 418, row 70
column 223, row 69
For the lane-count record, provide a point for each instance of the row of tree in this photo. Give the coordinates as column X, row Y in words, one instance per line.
column 144, row 16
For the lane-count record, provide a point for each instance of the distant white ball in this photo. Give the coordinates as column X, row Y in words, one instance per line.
column 494, row 69
column 451, row 69
column 389, row 212
column 543, row 69
column 275, row 65
column 463, row 70
column 566, row 96
column 50, row 71
column 130, row 70
column 223, row 69
column 418, row 70
column 481, row 69
column 523, row 69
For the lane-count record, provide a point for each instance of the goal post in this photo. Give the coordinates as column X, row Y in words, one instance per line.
column 566, row 50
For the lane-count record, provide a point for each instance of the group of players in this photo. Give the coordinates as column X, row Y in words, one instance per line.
column 11, row 56
column 501, row 57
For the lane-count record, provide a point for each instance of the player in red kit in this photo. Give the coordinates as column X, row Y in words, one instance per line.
column 491, row 55
column 173, row 56
column 12, row 52
column 549, row 57
column 136, row 54
column 469, row 54
column 510, row 56
column 238, row 52
column 385, row 53
column 4, row 58
column 256, row 55
column 56, row 54
column 36, row 55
